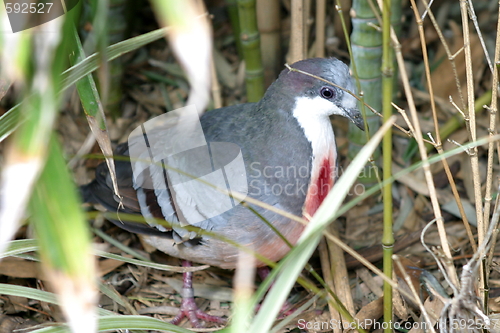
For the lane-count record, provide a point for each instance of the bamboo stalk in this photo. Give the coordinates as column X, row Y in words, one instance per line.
column 232, row 10
column 387, row 88
column 493, row 109
column 297, row 39
column 450, row 268
column 473, row 153
column 362, row 103
column 307, row 26
column 269, row 23
column 250, row 42
column 320, row 28
column 366, row 49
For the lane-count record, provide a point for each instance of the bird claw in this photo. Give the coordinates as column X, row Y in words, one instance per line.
column 190, row 310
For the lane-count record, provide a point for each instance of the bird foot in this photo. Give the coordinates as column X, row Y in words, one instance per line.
column 190, row 310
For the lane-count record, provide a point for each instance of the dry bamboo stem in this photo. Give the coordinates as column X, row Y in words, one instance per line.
column 492, row 127
column 320, row 28
column 269, row 23
column 297, row 47
column 472, row 123
column 491, row 150
column 473, row 153
column 438, row 144
column 307, row 26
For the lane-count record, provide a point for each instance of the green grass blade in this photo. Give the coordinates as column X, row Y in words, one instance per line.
column 19, row 247
column 91, row 63
column 91, row 102
column 31, row 293
column 38, row 295
column 114, row 323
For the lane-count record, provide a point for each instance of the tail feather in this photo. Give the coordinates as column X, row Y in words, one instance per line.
column 100, row 191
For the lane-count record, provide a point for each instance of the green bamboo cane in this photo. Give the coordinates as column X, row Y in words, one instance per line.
column 232, row 10
column 366, row 43
column 250, row 41
column 387, row 91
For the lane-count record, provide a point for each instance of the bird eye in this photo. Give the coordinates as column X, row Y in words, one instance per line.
column 327, row 92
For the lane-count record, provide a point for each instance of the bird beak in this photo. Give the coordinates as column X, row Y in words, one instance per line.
column 355, row 116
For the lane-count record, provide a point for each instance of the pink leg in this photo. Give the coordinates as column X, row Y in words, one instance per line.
column 189, row 308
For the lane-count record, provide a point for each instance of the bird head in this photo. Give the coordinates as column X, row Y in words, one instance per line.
column 321, row 87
